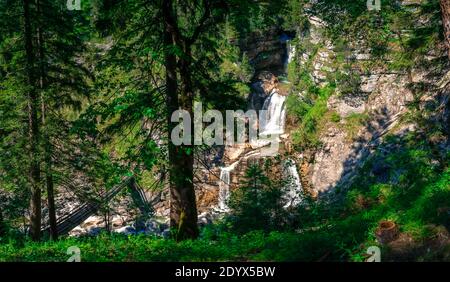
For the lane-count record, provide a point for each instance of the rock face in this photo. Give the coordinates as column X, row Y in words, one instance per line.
column 382, row 99
column 335, row 162
column 266, row 51
column 207, row 197
column 261, row 89
column 346, row 109
column 328, row 166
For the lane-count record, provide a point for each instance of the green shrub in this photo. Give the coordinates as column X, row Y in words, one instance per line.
column 353, row 124
column 312, row 117
column 257, row 204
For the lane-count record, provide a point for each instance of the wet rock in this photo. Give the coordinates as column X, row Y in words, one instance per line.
column 126, row 230
column 163, row 227
column 94, row 231
column 166, row 234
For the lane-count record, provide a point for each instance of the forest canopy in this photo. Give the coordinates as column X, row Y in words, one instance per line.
column 353, row 95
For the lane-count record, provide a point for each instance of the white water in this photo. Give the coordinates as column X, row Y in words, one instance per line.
column 291, row 51
column 224, row 185
column 273, row 116
column 294, row 187
column 271, row 122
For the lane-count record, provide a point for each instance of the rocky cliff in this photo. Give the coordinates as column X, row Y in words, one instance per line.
column 380, row 104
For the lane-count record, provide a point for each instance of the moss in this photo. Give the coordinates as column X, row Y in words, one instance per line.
column 312, row 117
column 353, row 123
column 335, row 117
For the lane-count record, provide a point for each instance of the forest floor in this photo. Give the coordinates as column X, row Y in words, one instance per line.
column 215, row 245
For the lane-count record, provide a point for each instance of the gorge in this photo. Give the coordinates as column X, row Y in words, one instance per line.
column 110, row 117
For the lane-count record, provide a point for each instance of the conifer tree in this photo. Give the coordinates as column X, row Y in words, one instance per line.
column 44, row 68
column 445, row 12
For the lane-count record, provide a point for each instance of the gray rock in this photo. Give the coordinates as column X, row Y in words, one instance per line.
column 166, row 234
column 126, row 230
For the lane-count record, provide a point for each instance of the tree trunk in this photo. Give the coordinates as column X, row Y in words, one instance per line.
column 51, row 201
column 2, row 225
column 183, row 209
column 184, row 194
column 50, row 192
column 186, row 191
column 46, row 137
column 33, row 132
column 445, row 12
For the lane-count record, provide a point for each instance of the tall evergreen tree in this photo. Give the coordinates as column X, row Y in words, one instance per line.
column 53, row 79
column 445, row 12
column 166, row 55
column 2, row 224
column 258, row 203
column 33, row 105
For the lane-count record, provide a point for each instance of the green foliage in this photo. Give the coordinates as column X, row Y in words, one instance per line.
column 212, row 246
column 295, row 17
column 335, row 117
column 393, row 36
column 249, row 16
column 60, row 80
column 353, row 123
column 349, row 82
column 105, row 118
column 107, row 248
column 311, row 115
column 405, row 186
column 257, row 204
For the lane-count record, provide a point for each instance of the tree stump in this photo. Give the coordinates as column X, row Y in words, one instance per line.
column 386, row 232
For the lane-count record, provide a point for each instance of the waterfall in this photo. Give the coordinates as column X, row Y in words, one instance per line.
column 224, row 186
column 294, row 187
column 271, row 123
column 291, row 51
column 290, row 54
column 273, row 116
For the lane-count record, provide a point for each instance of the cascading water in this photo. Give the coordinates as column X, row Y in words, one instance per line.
column 291, row 51
column 224, row 189
column 224, row 186
column 273, row 116
column 271, row 123
column 294, row 187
